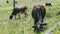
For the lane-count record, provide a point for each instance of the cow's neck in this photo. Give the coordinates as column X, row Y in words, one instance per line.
column 40, row 20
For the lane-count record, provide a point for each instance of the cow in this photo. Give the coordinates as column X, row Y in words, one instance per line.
column 38, row 14
column 18, row 10
column 48, row 4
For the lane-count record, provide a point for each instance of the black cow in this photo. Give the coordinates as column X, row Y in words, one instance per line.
column 38, row 14
column 48, row 4
column 17, row 10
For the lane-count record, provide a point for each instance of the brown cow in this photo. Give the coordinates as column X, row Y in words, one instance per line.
column 17, row 10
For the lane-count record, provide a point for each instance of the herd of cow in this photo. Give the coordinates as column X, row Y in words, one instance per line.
column 38, row 14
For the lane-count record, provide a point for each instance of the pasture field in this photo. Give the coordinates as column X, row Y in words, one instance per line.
column 24, row 25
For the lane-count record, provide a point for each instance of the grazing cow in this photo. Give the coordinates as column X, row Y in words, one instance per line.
column 17, row 10
column 48, row 4
column 7, row 2
column 38, row 14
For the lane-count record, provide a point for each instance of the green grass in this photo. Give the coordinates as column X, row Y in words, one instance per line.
column 24, row 25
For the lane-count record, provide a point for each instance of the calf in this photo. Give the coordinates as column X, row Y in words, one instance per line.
column 17, row 10
column 38, row 14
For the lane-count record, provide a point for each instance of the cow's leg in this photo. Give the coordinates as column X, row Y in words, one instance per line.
column 25, row 13
column 19, row 16
column 35, row 26
column 35, row 21
column 15, row 16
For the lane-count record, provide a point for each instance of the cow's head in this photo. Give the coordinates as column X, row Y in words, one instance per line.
column 10, row 17
column 39, row 26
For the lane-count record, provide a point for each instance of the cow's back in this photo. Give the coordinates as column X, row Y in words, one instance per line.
column 40, row 9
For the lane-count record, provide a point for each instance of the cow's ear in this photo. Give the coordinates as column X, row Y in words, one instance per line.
column 33, row 26
column 44, row 24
